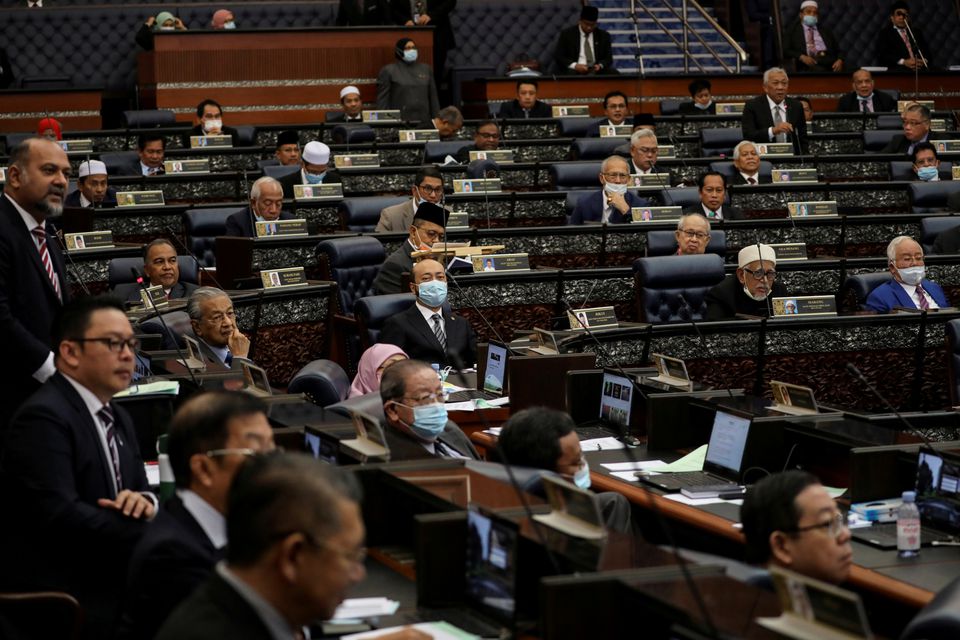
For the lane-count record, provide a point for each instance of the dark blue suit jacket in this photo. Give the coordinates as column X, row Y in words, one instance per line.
column 890, row 294
column 411, row 332
column 241, row 223
column 109, row 200
column 590, row 208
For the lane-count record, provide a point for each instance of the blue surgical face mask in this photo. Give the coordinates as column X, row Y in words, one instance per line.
column 409, row 55
column 810, row 21
column 615, row 188
column 314, row 178
column 927, row 173
column 703, row 107
column 582, row 477
column 432, row 293
column 912, row 275
column 428, row 420
column 230, row 25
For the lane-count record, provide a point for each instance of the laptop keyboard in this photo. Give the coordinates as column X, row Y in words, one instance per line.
column 471, row 394
column 885, row 535
column 590, row 433
column 677, row 481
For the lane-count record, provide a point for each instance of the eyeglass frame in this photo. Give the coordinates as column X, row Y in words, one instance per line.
column 833, row 527
column 114, row 345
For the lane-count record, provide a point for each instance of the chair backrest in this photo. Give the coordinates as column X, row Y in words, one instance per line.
column 875, row 141
column 903, row 170
column 726, row 168
column 373, row 311
column 149, row 118
column 352, row 263
column 889, row 121
column 118, row 161
column 855, row 289
column 664, row 243
column 369, row 403
column 246, row 135
column 42, row 614
column 480, row 169
column 576, row 127
column 353, row 134
column 201, row 228
column 437, row 150
column 121, row 280
column 940, row 619
column 13, row 139
column 268, row 162
column 660, row 282
column 669, row 107
column 177, row 321
column 930, row 228
column 575, row 175
column 931, row 197
column 596, row 148
column 893, row 93
column 683, row 197
column 277, row 171
column 324, row 381
column 715, row 142
column 362, row 214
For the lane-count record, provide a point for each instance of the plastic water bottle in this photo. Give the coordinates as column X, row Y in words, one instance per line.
column 908, row 526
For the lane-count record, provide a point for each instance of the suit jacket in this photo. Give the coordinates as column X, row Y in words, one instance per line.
column 891, row 48
column 727, row 299
column 109, row 200
column 439, row 12
column 890, row 294
column 241, row 223
column 6, row 70
column 28, row 305
column 410, row 331
column 180, row 290
column 739, row 179
column 795, row 45
column 198, row 131
column 173, row 558
column 214, row 610
column 398, row 217
column 513, row 109
column 687, row 108
column 404, row 447
column 568, row 50
column 590, row 209
column 374, row 12
column 339, row 116
column 53, row 470
column 728, row 212
column 288, row 181
column 850, row 102
column 758, row 117
column 211, row 357
column 390, row 277
column 899, row 144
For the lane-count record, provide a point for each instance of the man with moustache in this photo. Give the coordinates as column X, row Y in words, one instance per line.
column 746, row 292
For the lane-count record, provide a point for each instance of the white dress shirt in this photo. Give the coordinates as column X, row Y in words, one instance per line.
column 210, row 520
column 427, row 314
column 771, row 105
column 911, row 290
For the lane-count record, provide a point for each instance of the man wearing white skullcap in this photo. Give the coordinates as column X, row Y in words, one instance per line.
column 352, row 106
column 746, row 293
column 314, row 169
column 812, row 46
column 92, row 189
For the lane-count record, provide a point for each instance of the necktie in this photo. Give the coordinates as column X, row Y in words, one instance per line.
column 228, row 359
column 106, row 417
column 922, row 299
column 811, row 43
column 588, row 50
column 864, row 106
column 906, row 41
column 438, row 331
column 777, row 120
column 752, row 180
column 41, row 237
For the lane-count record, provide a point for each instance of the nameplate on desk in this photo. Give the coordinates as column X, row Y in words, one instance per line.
column 458, row 221
column 670, row 371
column 660, row 180
column 88, row 240
column 570, row 111
column 730, row 108
column 593, row 318
column 775, row 149
column 500, row 156
column 902, row 104
column 573, row 511
column 655, row 214
column 812, row 208
column 140, row 199
column 478, row 185
column 154, row 298
column 418, row 135
column 793, row 399
column 332, row 191
column 938, row 124
column 370, row 441
column 255, row 380
column 615, row 130
column 804, row 306
column 381, row 115
column 666, row 151
column 794, row 175
column 946, row 146
column 789, row 251
column 501, row 262
column 76, row 146
column 271, row 228
column 955, row 172
column 357, row 160
column 197, row 142
column 290, row 277
column 182, row 167
column 194, row 358
column 815, row 609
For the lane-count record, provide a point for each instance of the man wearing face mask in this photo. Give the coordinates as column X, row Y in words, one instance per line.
column 926, row 162
column 908, row 289
column 210, row 123
column 746, row 293
column 809, row 44
column 314, row 169
column 223, row 19
column 427, row 227
column 415, row 416
column 701, row 99
column 266, row 200
column 426, row 331
column 408, row 85
column 427, row 187
column 613, row 203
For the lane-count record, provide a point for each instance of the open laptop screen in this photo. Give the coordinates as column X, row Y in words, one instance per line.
column 491, row 564
column 496, row 370
column 615, row 396
column 938, row 491
column 728, row 440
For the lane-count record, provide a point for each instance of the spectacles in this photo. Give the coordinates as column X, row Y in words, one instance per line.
column 242, row 451
column 115, row 345
column 833, row 527
column 914, row 123
column 430, row 191
column 617, row 176
column 431, row 234
column 699, row 235
column 760, row 274
column 429, row 398
column 217, row 318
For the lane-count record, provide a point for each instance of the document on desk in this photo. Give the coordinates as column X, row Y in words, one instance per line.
column 699, row 502
column 160, row 387
column 640, row 465
column 357, row 608
column 601, row 444
column 436, row 630
column 693, row 461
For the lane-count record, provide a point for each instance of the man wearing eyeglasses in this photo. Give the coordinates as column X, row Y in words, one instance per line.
column 416, row 417
column 746, row 292
column 909, row 287
column 789, row 520
column 214, row 323
column 897, row 47
column 72, row 474
column 428, row 227
column 916, row 129
column 643, row 157
column 692, row 234
column 427, row 187
column 613, row 203
column 486, row 138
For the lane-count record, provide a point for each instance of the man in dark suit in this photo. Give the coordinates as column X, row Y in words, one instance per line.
column 526, row 104
column 33, row 277
column 615, row 109
column 949, row 241
column 897, row 48
column 746, row 292
column 427, row 227
column 210, row 437
column 160, row 267
column 613, row 203
column 909, row 288
column 788, row 125
column 916, row 129
column 72, row 471
column 746, row 161
column 296, row 548
column 713, row 192
column 288, row 148
column 214, row 323
column 363, row 13
column 583, row 48
column 416, row 418
column 485, row 138
column 209, row 122
column 426, row 331
column 810, row 45
column 864, row 98
column 351, row 101
column 266, row 202
column 92, row 189
column 429, row 13
column 314, row 169
column 6, row 70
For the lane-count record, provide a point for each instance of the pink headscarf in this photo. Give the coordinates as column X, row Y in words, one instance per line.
column 367, row 380
column 220, row 18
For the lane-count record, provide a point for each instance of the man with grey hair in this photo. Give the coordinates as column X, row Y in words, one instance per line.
column 214, row 323
column 746, row 160
column 692, row 234
column 773, row 117
column 746, row 293
column 33, row 277
column 612, row 203
column 643, row 154
column 266, row 200
column 909, row 288
column 448, row 122
column 916, row 129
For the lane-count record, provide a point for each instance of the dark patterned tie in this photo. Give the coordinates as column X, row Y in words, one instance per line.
column 106, row 417
column 228, row 359
column 41, row 237
column 438, row 331
column 752, row 180
column 922, row 299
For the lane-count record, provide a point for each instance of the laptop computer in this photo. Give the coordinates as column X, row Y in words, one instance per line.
column 938, row 499
column 617, row 403
column 494, row 383
column 724, row 459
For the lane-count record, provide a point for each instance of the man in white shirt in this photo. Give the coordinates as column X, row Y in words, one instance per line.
column 773, row 117
column 746, row 160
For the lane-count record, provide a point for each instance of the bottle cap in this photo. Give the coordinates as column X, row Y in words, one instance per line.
column 909, row 496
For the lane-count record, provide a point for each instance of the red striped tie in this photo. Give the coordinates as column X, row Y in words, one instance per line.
column 41, row 237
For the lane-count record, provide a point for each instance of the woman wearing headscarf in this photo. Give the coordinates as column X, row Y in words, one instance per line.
column 50, row 128
column 373, row 363
column 163, row 21
column 408, row 85
column 223, row 19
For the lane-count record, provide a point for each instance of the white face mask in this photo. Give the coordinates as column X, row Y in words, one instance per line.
column 912, row 275
column 212, row 125
column 614, row 188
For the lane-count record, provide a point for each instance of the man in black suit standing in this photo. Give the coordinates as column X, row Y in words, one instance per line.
column 773, row 117
column 428, row 226
column 211, row 436
column 92, row 189
column 897, row 48
column 916, row 129
column 713, row 191
column 160, row 267
column 266, row 202
column 314, row 169
column 426, row 331
column 72, row 471
column 864, row 98
column 526, row 104
column 583, row 48
column 33, row 277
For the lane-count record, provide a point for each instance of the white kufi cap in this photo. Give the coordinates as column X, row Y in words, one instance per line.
column 316, row 153
column 750, row 254
column 348, row 90
column 91, row 168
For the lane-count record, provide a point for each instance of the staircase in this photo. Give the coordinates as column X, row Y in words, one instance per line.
column 660, row 54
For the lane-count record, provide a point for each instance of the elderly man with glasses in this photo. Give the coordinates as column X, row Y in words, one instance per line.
column 692, row 234
column 746, row 293
column 612, row 204
column 909, row 288
column 643, row 156
column 916, row 129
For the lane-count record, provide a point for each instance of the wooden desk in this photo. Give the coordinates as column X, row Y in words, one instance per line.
column 21, row 109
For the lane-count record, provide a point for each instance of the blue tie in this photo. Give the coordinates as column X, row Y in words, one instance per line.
column 228, row 359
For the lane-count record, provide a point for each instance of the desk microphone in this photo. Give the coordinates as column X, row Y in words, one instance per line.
column 176, row 343
column 69, row 259
column 853, row 370
column 696, row 327
column 665, row 185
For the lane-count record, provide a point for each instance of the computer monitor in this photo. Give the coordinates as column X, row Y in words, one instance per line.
column 728, row 441
column 142, row 367
column 491, row 571
column 938, row 491
column 495, row 373
column 616, row 396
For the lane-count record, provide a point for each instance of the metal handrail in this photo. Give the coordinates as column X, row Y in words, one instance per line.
column 685, row 45
column 742, row 55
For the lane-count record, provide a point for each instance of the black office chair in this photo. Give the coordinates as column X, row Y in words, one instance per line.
column 660, row 282
column 121, row 280
column 481, row 169
column 930, row 228
column 41, row 614
column 277, row 171
column 670, row 107
column 855, row 290
column 362, row 214
column 373, row 311
column 683, row 197
column 595, row 148
column 353, row 134
column 435, row 151
column 664, row 243
column 888, row 121
column 715, row 142
column 940, row 619
column 324, row 381
column 575, row 175
column 149, row 118
column 875, row 141
column 931, row 197
column 576, row 127
column 201, row 228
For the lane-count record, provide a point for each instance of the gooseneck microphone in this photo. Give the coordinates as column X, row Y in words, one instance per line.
column 176, row 344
